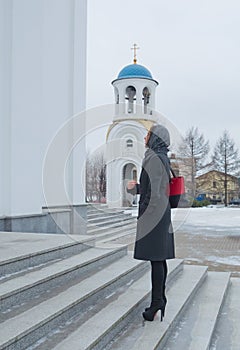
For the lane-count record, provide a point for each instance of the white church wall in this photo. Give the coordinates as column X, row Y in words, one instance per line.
column 43, row 66
column 118, row 137
column 118, row 155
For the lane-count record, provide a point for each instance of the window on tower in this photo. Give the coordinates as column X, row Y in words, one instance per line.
column 129, row 143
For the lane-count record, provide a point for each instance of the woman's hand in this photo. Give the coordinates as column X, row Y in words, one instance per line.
column 131, row 184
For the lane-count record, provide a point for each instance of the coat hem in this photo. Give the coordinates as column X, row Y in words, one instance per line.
column 155, row 259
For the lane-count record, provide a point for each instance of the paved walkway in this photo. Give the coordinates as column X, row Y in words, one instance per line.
column 219, row 253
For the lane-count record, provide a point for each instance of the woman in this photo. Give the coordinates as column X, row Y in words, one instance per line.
column 154, row 239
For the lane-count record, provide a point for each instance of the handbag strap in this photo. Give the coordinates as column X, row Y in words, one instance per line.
column 173, row 173
column 171, row 170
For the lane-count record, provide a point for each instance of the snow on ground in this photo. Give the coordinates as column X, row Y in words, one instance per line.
column 228, row 260
column 219, row 219
column 205, row 220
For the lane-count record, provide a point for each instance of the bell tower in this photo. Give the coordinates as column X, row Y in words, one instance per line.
column 134, row 90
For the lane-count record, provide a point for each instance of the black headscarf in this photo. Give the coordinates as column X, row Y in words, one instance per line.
column 158, row 143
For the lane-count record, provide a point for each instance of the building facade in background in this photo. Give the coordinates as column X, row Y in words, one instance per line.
column 211, row 185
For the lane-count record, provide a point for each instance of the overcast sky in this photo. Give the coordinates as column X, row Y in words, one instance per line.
column 191, row 47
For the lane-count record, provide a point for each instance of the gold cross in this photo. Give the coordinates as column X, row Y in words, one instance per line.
column 135, row 48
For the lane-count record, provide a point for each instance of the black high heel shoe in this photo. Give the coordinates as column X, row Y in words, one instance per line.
column 151, row 312
column 165, row 303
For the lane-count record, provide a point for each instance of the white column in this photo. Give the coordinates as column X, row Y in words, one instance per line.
column 79, row 96
column 28, row 121
column 152, row 98
column 116, row 95
column 122, row 104
column 139, row 106
column 5, row 105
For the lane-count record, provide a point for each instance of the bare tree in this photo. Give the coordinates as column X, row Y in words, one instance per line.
column 225, row 159
column 194, row 151
column 89, row 179
column 95, row 177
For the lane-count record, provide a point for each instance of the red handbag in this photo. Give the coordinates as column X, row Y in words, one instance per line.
column 176, row 189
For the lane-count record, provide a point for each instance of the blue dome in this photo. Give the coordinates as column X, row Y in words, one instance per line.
column 134, row 71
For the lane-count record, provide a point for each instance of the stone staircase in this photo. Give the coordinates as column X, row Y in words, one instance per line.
column 109, row 224
column 86, row 292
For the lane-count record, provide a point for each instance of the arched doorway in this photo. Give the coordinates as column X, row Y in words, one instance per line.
column 129, row 172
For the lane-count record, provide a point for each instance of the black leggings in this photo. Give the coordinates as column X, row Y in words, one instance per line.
column 159, row 276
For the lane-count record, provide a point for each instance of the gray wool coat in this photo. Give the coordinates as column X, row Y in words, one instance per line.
column 154, row 238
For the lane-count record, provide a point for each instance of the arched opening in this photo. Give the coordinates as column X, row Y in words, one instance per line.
column 129, row 172
column 134, row 174
column 130, row 97
column 146, row 97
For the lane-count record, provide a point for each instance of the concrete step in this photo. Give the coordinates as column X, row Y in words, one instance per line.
column 95, row 209
column 99, row 330
column 154, row 334
column 111, row 237
column 23, row 330
column 17, row 291
column 112, row 231
column 109, row 222
column 227, row 331
column 26, row 251
column 98, row 213
column 104, row 218
column 195, row 329
column 98, row 229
